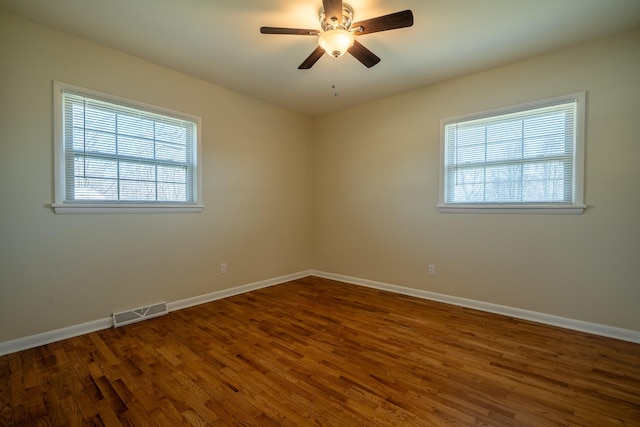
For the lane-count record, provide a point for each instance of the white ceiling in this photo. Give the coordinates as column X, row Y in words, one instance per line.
column 219, row 40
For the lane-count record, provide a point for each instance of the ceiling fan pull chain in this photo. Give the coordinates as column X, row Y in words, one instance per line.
column 335, row 77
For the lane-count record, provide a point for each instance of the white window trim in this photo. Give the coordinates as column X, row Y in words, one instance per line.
column 575, row 208
column 97, row 207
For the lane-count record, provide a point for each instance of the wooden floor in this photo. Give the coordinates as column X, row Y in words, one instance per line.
column 319, row 352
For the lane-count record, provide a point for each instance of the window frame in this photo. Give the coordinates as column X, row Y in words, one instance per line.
column 63, row 206
column 576, row 207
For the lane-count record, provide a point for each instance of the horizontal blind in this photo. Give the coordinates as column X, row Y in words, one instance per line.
column 515, row 158
column 117, row 153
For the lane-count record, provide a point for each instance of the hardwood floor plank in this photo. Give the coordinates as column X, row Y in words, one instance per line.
column 106, row 414
column 319, row 352
column 6, row 398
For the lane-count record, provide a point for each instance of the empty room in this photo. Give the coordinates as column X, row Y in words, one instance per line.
column 317, row 212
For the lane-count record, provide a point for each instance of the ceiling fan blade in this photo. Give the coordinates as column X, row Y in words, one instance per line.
column 294, row 31
column 312, row 59
column 332, row 9
column 364, row 55
column 384, row 23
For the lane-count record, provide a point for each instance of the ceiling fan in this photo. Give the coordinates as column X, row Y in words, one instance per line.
column 338, row 32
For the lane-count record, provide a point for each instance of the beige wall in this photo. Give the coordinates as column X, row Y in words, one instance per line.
column 376, row 190
column 283, row 196
column 63, row 270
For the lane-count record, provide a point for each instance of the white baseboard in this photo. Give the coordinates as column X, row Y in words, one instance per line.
column 190, row 302
column 32, row 341
column 548, row 319
column 53, row 336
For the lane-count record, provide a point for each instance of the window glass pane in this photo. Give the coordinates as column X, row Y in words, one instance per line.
column 99, row 119
column 503, row 183
column 137, row 190
column 88, row 167
column 137, row 171
column 135, row 126
column 545, row 182
column 95, row 189
column 168, row 151
column 171, row 133
column 470, row 184
column 504, row 150
column 504, row 131
column 171, row 192
column 172, row 174
column 552, row 145
column 95, row 142
column 135, row 147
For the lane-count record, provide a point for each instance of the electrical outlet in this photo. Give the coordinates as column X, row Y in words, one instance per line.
column 432, row 270
column 223, row 268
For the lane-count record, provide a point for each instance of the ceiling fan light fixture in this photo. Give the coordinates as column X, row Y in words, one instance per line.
column 336, row 42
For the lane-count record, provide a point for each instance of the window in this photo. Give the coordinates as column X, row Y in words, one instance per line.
column 527, row 158
column 116, row 155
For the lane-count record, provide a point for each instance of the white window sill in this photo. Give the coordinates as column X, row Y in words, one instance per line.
column 122, row 208
column 513, row 209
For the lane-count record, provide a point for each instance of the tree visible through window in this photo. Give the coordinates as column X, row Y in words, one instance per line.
column 519, row 157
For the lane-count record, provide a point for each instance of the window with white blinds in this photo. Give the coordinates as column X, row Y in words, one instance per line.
column 115, row 154
column 523, row 157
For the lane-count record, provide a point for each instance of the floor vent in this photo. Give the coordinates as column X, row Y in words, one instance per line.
column 137, row 314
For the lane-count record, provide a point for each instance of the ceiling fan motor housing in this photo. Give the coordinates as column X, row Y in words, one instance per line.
column 340, row 22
